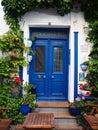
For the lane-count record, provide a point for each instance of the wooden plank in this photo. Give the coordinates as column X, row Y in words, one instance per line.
column 39, row 120
column 2, row 110
column 5, row 123
column 92, row 121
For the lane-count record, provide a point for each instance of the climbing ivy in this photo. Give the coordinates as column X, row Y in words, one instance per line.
column 90, row 9
column 16, row 8
column 92, row 76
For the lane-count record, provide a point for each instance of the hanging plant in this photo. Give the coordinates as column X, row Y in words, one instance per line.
column 11, row 40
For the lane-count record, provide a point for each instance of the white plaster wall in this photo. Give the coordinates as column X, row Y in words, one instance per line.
column 3, row 25
column 75, row 21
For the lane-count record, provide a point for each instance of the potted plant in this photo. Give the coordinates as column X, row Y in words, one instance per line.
column 75, row 107
column 85, row 89
column 15, row 84
column 28, row 100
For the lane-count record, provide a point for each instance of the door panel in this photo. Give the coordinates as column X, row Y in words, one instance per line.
column 58, row 69
column 49, row 69
column 37, row 71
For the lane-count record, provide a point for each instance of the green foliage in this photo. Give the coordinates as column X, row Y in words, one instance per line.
column 11, row 43
column 4, row 71
column 90, row 9
column 28, row 97
column 79, row 118
column 4, row 94
column 13, row 103
column 81, row 103
column 92, row 76
column 14, row 113
column 14, row 8
column 11, row 40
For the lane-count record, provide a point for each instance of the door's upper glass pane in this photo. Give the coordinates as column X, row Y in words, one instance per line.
column 39, row 59
column 57, row 59
column 45, row 34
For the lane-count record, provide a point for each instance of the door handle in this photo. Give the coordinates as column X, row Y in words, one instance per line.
column 52, row 76
column 44, row 77
column 39, row 76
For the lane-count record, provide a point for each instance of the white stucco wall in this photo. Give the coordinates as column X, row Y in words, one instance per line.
column 75, row 21
column 41, row 18
column 3, row 25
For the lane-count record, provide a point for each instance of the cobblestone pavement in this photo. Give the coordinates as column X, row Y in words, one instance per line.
column 12, row 127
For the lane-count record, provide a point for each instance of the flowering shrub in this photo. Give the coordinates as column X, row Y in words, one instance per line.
column 79, row 102
column 86, row 87
column 16, row 86
column 16, row 82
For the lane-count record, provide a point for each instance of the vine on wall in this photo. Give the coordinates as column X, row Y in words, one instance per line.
column 16, row 8
column 90, row 9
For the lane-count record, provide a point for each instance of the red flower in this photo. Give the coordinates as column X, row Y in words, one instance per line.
column 85, row 114
column 17, row 80
column 86, row 85
column 93, row 87
column 81, row 87
column 88, row 93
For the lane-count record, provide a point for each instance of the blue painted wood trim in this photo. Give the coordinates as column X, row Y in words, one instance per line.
column 75, row 64
column 21, row 68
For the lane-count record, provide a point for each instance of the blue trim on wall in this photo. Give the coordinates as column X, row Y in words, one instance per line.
column 20, row 67
column 75, row 64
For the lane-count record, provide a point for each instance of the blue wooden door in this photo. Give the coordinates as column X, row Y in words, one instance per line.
column 49, row 69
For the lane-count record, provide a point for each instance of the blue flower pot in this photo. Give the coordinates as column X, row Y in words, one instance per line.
column 24, row 109
column 74, row 111
column 83, row 67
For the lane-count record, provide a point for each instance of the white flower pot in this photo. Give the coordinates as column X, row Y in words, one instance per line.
column 85, row 93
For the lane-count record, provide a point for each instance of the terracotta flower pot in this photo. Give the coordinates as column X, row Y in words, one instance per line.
column 13, row 54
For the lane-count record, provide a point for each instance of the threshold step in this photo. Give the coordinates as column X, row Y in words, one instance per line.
column 52, row 104
column 62, row 126
column 61, row 115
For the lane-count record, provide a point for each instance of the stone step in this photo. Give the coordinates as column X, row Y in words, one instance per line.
column 60, row 126
column 53, row 104
column 63, row 119
column 59, row 109
column 71, row 126
column 52, row 109
column 19, row 127
column 63, row 115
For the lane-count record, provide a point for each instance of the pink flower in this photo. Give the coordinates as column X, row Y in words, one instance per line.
column 84, row 114
column 88, row 93
column 93, row 87
column 86, row 85
column 77, row 99
column 83, row 98
column 81, row 87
